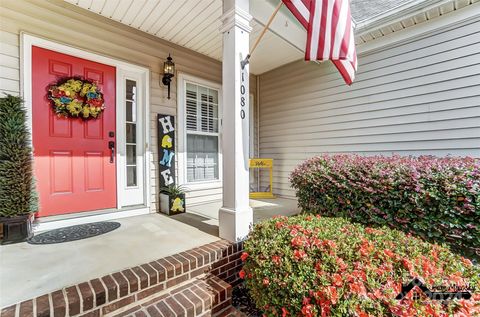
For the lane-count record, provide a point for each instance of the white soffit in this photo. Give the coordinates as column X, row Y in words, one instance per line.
column 193, row 24
column 271, row 52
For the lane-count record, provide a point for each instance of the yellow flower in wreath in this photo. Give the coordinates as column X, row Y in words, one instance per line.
column 71, row 108
column 93, row 111
column 75, row 107
column 86, row 112
column 87, row 87
column 75, row 85
column 58, row 102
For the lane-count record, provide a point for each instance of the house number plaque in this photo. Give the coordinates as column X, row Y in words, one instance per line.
column 243, row 92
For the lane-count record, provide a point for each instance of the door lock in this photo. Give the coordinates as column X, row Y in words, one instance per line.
column 111, row 146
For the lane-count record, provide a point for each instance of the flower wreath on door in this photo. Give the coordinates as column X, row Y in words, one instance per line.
column 76, row 98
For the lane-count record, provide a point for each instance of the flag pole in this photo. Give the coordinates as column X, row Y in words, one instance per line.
column 247, row 58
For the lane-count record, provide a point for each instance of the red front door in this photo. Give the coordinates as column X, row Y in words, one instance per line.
column 73, row 166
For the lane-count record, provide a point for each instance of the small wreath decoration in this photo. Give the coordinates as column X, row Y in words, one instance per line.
column 76, row 98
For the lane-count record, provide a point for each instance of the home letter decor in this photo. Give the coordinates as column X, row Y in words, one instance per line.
column 171, row 196
column 166, row 150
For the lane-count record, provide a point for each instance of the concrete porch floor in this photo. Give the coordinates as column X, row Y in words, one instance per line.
column 28, row 270
column 205, row 216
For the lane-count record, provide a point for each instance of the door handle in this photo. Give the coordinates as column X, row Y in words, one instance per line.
column 111, row 146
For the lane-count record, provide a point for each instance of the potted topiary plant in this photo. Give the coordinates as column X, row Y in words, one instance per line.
column 172, row 199
column 18, row 199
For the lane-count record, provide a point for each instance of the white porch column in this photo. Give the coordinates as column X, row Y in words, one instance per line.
column 236, row 216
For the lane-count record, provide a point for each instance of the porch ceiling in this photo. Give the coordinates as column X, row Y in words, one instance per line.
column 191, row 24
column 195, row 24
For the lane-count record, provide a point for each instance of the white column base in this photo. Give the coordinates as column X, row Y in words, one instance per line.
column 233, row 223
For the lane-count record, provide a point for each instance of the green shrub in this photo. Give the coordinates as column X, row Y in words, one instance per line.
column 319, row 266
column 435, row 198
column 16, row 187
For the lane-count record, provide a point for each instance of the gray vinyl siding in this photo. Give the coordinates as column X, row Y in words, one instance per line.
column 59, row 21
column 418, row 97
column 9, row 63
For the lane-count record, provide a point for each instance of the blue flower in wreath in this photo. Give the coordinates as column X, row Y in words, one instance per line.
column 92, row 95
column 65, row 99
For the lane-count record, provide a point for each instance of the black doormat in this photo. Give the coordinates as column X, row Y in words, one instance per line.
column 74, row 233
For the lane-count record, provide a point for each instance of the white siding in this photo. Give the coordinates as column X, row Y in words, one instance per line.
column 419, row 97
column 9, row 63
column 64, row 23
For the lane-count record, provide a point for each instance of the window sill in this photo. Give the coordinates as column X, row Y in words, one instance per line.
column 202, row 185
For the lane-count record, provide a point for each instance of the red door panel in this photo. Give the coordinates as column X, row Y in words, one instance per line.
column 72, row 158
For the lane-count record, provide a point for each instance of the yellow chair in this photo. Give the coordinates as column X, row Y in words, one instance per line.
column 263, row 163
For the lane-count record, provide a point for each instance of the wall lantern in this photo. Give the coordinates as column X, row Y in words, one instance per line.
column 168, row 73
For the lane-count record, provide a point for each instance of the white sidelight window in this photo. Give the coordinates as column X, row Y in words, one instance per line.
column 199, row 135
column 131, row 136
column 131, row 132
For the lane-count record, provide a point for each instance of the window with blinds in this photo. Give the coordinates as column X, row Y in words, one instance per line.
column 202, row 133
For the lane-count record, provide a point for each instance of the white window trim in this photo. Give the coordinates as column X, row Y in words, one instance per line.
column 182, row 133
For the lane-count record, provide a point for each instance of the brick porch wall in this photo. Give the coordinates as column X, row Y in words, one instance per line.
column 112, row 292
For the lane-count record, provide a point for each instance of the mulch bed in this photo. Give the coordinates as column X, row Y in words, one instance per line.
column 244, row 303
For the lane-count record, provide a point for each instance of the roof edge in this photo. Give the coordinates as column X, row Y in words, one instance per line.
column 397, row 14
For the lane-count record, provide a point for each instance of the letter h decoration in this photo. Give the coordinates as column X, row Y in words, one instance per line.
column 166, row 149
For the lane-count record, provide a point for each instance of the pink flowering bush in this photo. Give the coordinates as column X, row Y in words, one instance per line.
column 318, row 266
column 437, row 199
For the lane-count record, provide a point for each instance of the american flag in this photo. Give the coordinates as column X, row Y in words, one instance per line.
column 329, row 33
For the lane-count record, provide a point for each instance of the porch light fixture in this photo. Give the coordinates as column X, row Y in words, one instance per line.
column 168, row 73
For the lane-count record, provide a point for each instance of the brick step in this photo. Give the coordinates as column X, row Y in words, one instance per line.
column 124, row 289
column 203, row 296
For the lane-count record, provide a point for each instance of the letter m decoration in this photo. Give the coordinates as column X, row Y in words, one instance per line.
column 166, row 149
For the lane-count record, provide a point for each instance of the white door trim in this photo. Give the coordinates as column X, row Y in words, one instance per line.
column 136, row 195
column 26, row 43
